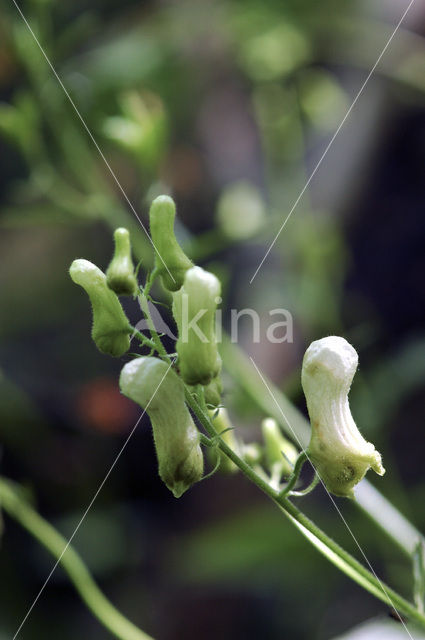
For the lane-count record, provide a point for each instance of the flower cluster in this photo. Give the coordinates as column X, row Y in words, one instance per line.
column 159, row 384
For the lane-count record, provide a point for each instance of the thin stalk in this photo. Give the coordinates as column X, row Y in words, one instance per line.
column 295, row 474
column 144, row 341
column 149, row 281
column 143, row 302
column 18, row 509
column 307, row 490
column 348, row 564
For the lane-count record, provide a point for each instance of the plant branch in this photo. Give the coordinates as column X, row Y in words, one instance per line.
column 328, row 547
column 143, row 302
column 144, row 341
column 18, row 509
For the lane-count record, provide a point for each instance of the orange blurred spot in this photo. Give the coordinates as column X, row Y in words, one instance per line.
column 101, row 406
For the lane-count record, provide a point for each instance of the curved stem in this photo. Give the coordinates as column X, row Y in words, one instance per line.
column 295, row 474
column 328, row 547
column 71, row 562
column 309, row 489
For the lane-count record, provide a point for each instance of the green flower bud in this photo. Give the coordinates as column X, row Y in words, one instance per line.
column 111, row 328
column 120, row 273
column 240, row 211
column 170, row 260
column 194, row 307
column 224, row 427
column 252, row 453
column 337, row 449
column 213, row 391
column 157, row 388
column 279, row 451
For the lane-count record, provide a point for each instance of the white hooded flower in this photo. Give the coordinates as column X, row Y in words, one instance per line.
column 337, row 449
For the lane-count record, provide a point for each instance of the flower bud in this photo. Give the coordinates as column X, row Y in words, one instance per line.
column 240, row 211
column 224, row 428
column 170, row 260
column 279, row 451
column 157, row 388
column 194, row 307
column 252, row 453
column 111, row 328
column 337, row 449
column 120, row 273
column 213, row 391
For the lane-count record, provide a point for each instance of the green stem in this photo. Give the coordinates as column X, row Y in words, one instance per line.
column 295, row 474
column 349, row 565
column 145, row 342
column 307, row 490
column 328, row 547
column 419, row 576
column 143, row 302
column 149, row 281
column 17, row 508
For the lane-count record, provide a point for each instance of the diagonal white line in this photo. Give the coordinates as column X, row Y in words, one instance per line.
column 332, row 499
column 322, row 157
column 91, row 136
column 90, row 505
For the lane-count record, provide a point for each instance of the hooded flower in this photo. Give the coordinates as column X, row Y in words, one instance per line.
column 337, row 449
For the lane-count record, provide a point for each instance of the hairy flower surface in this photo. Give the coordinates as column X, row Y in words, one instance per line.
column 157, row 388
column 170, row 259
column 120, row 273
column 337, row 449
column 111, row 329
column 194, row 307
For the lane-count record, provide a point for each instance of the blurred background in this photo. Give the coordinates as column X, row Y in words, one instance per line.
column 227, row 106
